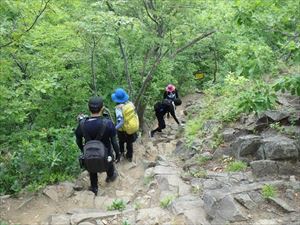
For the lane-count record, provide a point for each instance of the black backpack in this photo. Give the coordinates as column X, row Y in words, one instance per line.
column 94, row 151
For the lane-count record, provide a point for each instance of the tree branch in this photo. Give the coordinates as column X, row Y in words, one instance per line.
column 30, row 27
column 123, row 53
column 148, row 13
column 125, row 66
column 148, row 78
column 194, row 41
column 38, row 16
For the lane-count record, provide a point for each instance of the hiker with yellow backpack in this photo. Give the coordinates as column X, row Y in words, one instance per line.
column 127, row 122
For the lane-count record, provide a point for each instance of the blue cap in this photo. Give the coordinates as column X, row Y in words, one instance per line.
column 119, row 96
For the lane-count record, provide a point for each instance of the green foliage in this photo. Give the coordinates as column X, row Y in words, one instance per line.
column 39, row 160
column 148, row 179
column 260, row 98
column 203, row 159
column 125, row 222
column 3, row 222
column 236, row 166
column 166, row 201
column 269, row 191
column 289, row 83
column 117, row 204
column 200, row 173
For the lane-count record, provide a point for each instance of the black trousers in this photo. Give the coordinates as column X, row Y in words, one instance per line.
column 128, row 139
column 161, row 123
column 109, row 172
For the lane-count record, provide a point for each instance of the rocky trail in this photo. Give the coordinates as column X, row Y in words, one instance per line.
column 164, row 186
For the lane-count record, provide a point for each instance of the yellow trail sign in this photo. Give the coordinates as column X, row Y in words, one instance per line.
column 199, row 76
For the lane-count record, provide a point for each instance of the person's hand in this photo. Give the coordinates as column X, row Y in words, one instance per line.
column 118, row 156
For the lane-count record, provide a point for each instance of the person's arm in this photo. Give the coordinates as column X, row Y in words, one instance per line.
column 113, row 140
column 172, row 111
column 79, row 138
column 176, row 93
column 165, row 94
column 119, row 118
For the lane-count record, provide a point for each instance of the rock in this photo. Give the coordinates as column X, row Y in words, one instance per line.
column 229, row 134
column 246, row 145
column 290, row 194
column 191, row 208
column 276, row 115
column 207, row 155
column 256, row 197
column 148, row 164
column 266, row 222
column 172, row 183
column 149, row 172
column 221, row 152
column 159, row 170
column 80, row 217
column 210, row 125
column 222, row 208
column 86, row 223
column 59, row 219
column 292, row 179
column 245, row 200
column 152, row 216
column 279, row 148
column 288, row 168
column 62, row 190
column 261, row 168
column 4, row 197
column 282, row 204
column 84, row 199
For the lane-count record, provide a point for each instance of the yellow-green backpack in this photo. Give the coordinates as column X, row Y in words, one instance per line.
column 131, row 119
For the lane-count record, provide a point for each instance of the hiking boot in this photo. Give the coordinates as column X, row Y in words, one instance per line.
column 151, row 134
column 94, row 190
column 112, row 178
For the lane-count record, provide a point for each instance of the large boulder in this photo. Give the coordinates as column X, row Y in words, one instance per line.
column 246, row 145
column 221, row 208
column 261, row 168
column 279, row 148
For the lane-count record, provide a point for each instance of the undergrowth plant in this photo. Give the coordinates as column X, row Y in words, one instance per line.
column 117, row 204
column 236, row 166
column 166, row 201
column 269, row 191
column 225, row 101
column 125, row 223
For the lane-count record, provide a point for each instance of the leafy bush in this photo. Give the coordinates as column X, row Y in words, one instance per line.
column 224, row 102
column 236, row 166
column 125, row 222
column 289, row 83
column 260, row 98
column 203, row 159
column 166, row 201
column 40, row 158
column 118, row 204
column 269, row 191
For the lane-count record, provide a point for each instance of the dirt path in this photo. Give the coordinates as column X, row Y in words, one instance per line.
column 36, row 208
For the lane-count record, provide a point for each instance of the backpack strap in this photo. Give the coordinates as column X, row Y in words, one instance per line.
column 100, row 131
column 84, row 133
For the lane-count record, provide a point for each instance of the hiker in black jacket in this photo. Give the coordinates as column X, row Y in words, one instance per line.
column 91, row 126
column 161, row 109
